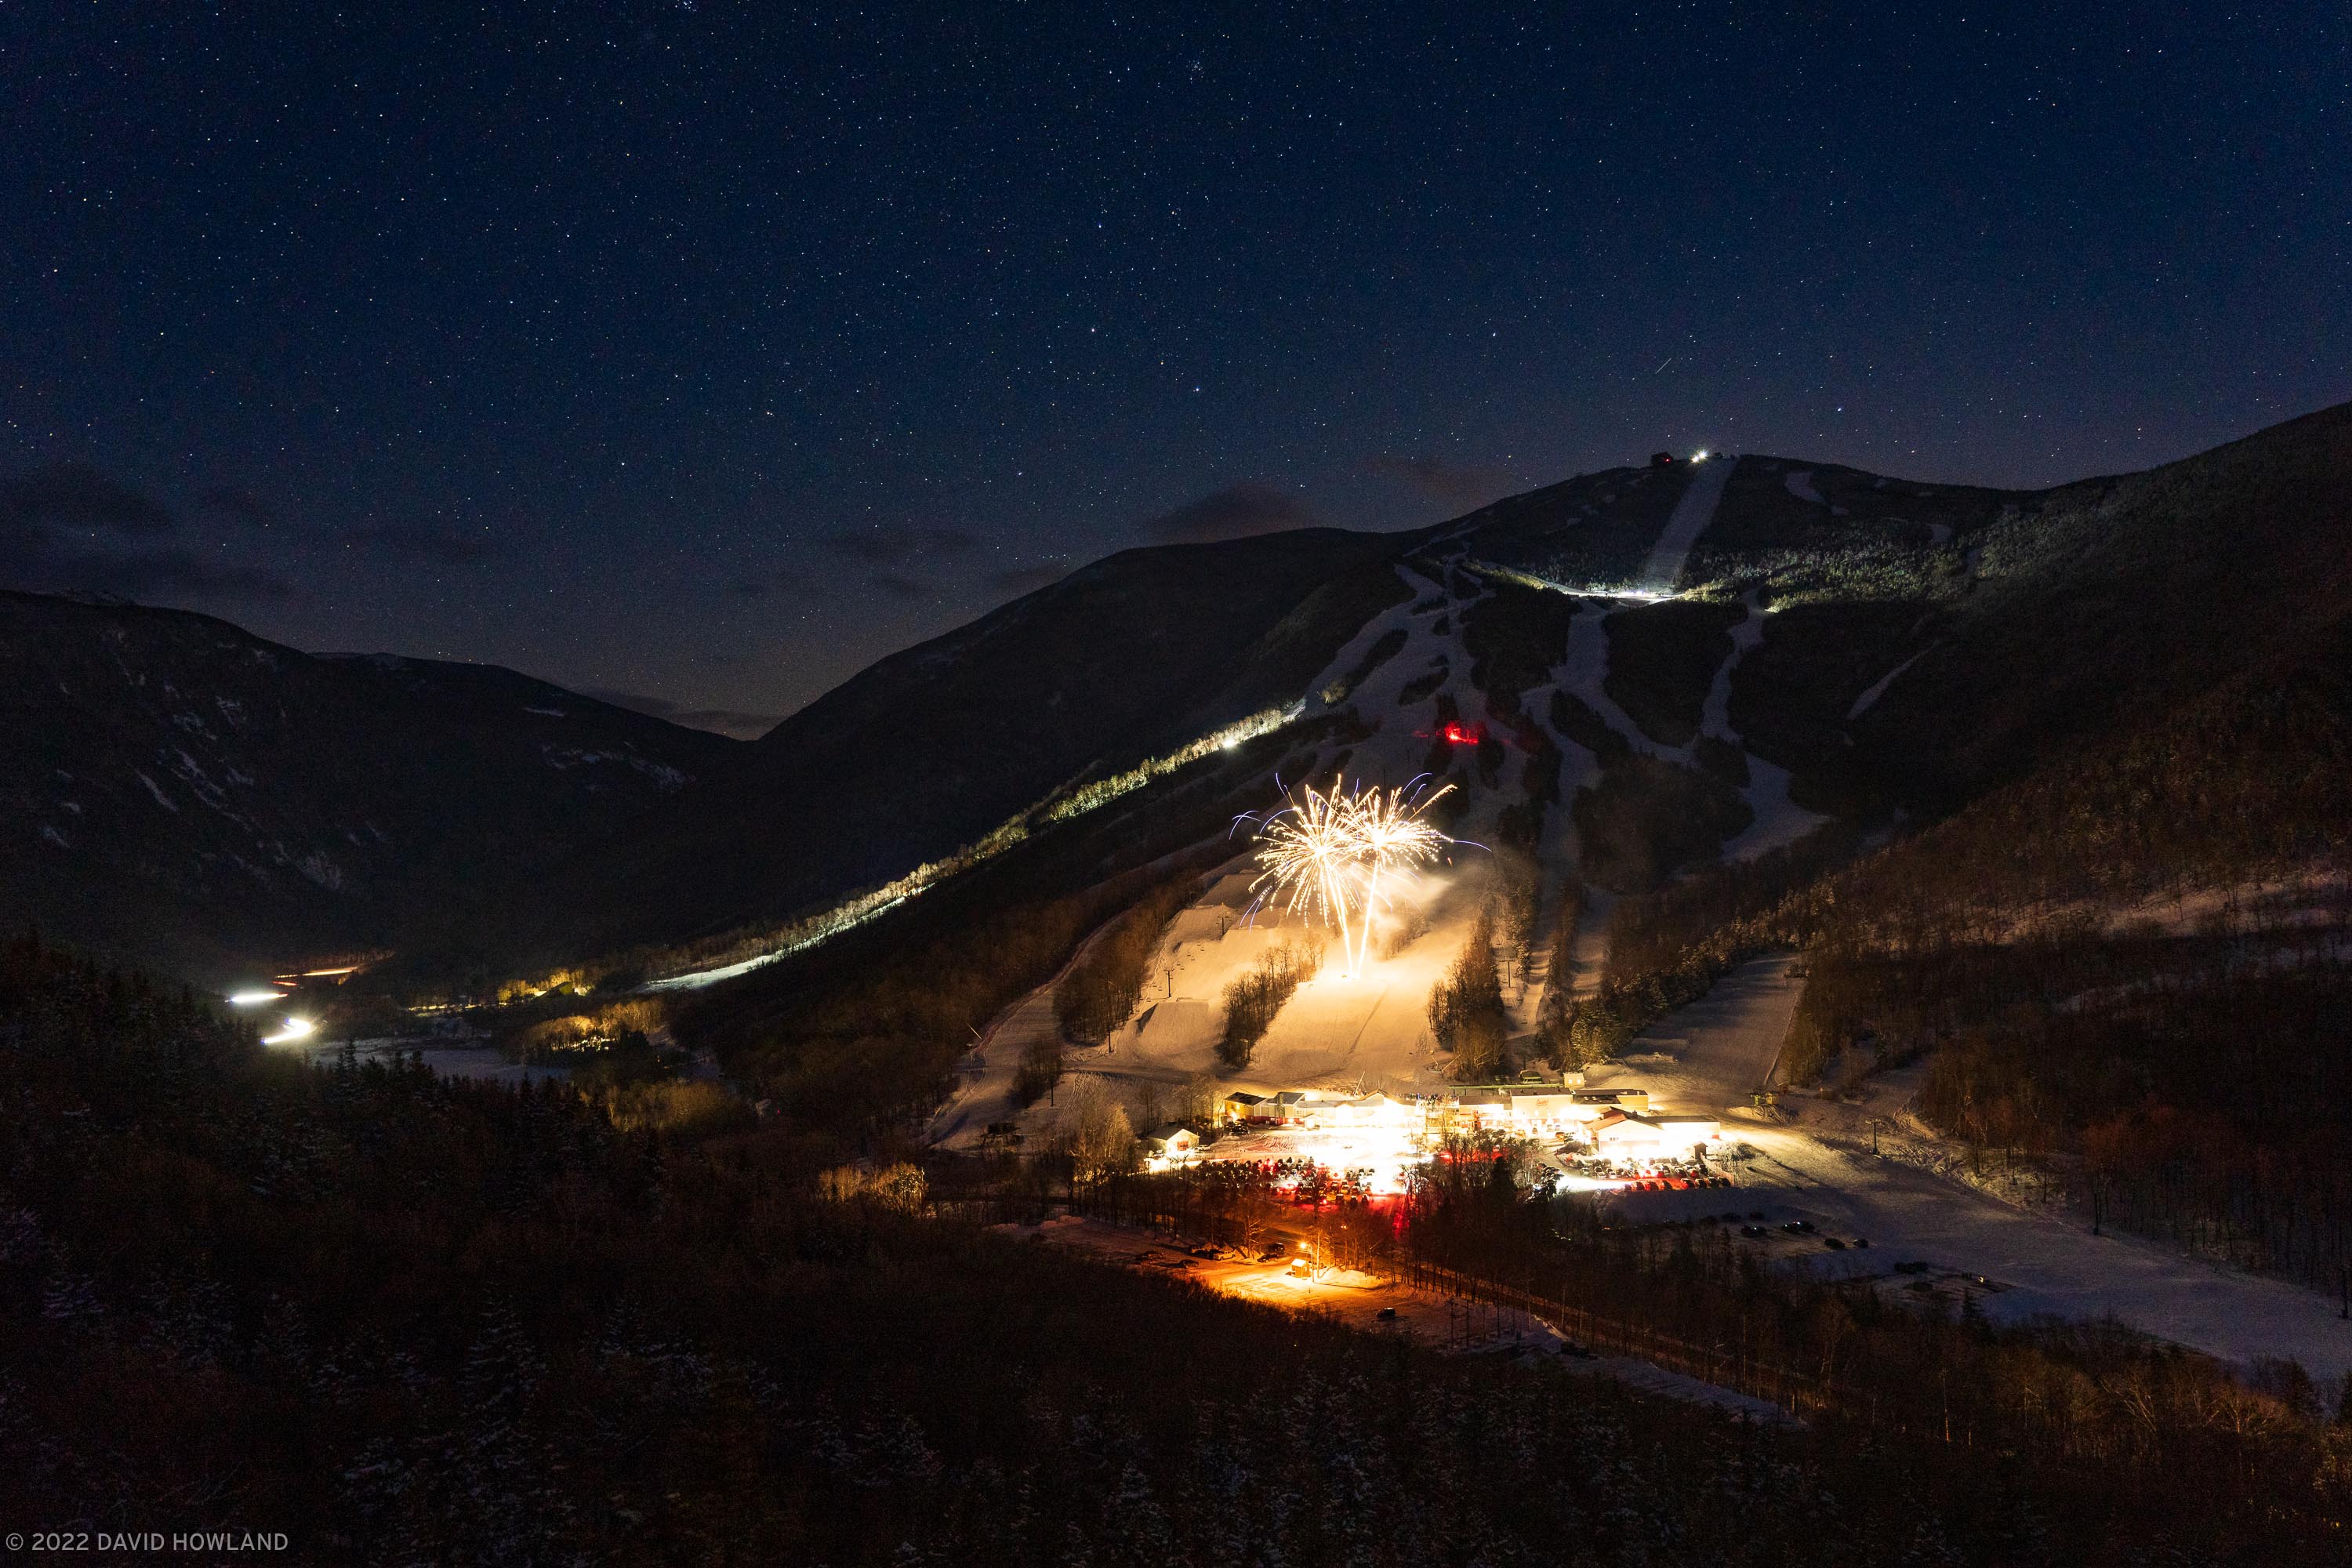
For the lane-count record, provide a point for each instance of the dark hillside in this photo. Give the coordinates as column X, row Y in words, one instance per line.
column 2117, row 601
column 406, row 1321
column 932, row 748
column 1593, row 529
column 857, row 1036
column 2126, row 974
column 181, row 790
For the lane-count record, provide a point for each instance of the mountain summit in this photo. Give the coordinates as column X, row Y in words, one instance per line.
column 1658, row 666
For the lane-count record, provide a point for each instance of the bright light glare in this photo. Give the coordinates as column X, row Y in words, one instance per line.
column 1324, row 855
column 1699, row 455
column 290, row 1029
column 254, row 998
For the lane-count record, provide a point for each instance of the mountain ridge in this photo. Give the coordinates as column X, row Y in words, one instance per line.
column 186, row 791
column 1836, row 644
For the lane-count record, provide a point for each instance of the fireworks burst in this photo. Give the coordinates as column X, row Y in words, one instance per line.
column 1324, row 855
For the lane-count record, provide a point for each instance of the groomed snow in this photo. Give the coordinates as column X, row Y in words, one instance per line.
column 1813, row 1160
column 1351, row 1034
column 1692, row 514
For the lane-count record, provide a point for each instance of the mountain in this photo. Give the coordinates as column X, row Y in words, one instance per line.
column 1690, row 660
column 183, row 792
column 1646, row 670
column 935, row 747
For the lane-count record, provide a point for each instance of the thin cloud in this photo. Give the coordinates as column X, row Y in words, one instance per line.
column 76, row 496
column 66, row 528
column 737, row 722
column 1237, row 511
column 1452, row 484
column 895, row 545
column 176, row 571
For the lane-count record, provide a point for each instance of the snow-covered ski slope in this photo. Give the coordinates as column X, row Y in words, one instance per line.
column 1371, row 1031
column 1813, row 1161
column 1811, row 1158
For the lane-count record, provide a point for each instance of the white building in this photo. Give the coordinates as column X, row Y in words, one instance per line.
column 1171, row 1144
column 1172, row 1139
column 1369, row 1111
column 1635, row 1135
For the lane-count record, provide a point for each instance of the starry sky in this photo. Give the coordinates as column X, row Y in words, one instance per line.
column 702, row 353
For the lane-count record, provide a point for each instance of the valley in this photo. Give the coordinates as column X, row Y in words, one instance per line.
column 1368, row 786
column 1748, row 871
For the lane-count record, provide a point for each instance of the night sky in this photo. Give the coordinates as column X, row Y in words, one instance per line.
column 704, row 352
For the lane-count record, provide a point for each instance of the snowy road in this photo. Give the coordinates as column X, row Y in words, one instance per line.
column 1813, row 1161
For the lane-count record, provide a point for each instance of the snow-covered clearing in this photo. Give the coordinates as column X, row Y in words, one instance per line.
column 2318, row 899
column 1780, row 820
column 486, row 1064
column 1800, row 485
column 1813, row 1160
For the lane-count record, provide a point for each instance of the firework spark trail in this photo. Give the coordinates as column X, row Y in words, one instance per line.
column 1307, row 857
column 1325, row 854
column 1390, row 836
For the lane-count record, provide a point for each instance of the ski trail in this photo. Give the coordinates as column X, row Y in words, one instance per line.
column 1583, row 674
column 1779, row 821
column 1814, row 1161
column 1863, row 703
column 1396, row 617
column 1664, row 569
column 1717, row 719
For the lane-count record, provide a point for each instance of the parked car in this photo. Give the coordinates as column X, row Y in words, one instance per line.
column 1798, row 1226
column 1386, row 1314
column 1833, row 1244
column 1751, row 1230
